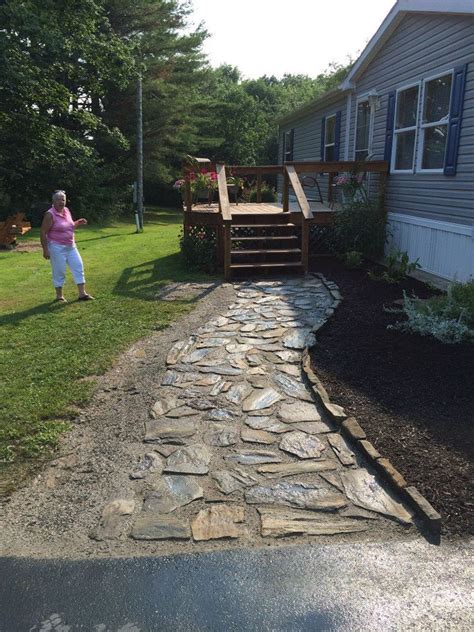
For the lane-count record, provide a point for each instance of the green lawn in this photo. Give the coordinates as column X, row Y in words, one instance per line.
column 46, row 347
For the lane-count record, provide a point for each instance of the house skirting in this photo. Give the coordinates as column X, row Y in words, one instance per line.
column 444, row 249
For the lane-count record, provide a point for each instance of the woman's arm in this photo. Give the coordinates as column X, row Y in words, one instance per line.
column 45, row 226
column 80, row 222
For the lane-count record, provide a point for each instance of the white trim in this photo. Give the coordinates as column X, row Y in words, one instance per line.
column 423, row 126
column 450, row 227
column 360, row 99
column 405, row 129
column 348, row 126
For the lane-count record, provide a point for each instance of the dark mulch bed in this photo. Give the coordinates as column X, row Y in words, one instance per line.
column 413, row 396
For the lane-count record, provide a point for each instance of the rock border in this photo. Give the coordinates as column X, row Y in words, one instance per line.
column 353, row 431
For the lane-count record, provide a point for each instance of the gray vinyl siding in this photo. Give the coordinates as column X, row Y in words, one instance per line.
column 424, row 45
column 307, row 137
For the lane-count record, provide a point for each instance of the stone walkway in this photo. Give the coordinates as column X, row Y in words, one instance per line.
column 236, row 444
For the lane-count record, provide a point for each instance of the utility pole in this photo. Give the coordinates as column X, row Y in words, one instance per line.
column 139, row 188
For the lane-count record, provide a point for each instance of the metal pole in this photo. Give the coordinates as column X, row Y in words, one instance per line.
column 140, row 151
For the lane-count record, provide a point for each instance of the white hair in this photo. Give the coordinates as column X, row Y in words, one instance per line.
column 57, row 193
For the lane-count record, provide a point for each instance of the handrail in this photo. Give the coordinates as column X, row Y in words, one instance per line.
column 223, row 195
column 298, row 189
column 371, row 166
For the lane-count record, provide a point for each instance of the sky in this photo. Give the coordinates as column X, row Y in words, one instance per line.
column 274, row 37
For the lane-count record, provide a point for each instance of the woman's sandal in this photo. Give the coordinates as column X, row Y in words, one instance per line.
column 60, row 300
column 86, row 297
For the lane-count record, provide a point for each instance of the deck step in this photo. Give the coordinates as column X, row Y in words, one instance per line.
column 264, row 251
column 287, row 264
column 266, row 238
column 272, row 225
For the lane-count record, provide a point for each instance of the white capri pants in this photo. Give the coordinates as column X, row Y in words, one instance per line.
column 61, row 256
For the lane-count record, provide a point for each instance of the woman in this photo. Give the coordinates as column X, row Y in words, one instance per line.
column 57, row 239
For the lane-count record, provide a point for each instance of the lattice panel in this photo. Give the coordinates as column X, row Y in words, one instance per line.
column 319, row 240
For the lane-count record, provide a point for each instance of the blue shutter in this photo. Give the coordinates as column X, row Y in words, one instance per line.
column 323, row 132
column 390, row 126
column 292, row 143
column 337, row 135
column 455, row 118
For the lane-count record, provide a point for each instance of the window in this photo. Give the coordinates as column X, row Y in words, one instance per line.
column 288, row 138
column 330, row 137
column 434, row 123
column 406, row 117
column 363, row 130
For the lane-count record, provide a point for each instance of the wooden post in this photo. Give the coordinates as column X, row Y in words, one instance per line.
column 187, row 196
column 259, row 185
column 305, row 245
column 330, row 189
column 286, row 192
column 227, row 247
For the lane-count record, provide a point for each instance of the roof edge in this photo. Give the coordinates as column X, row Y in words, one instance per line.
column 390, row 23
column 325, row 99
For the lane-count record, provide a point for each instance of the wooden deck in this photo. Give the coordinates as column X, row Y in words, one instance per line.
column 262, row 236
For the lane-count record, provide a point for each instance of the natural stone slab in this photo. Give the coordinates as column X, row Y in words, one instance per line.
column 278, row 470
column 358, row 512
column 280, row 522
column 341, row 449
column 172, row 492
column 295, row 412
column 268, row 424
column 222, row 369
column 292, row 387
column 113, row 518
column 290, row 369
column 304, row 495
column 150, row 463
column 289, row 356
column 163, row 405
column 181, row 411
column 218, row 521
column 221, row 414
column 299, row 339
column 193, row 459
column 248, row 328
column 229, row 481
column 200, row 403
column 312, row 427
column 212, row 342
column 253, row 457
column 165, row 450
column 169, row 430
column 249, row 435
column 197, row 355
column 170, row 377
column 336, row 412
column 175, row 351
column 423, row 508
column 363, row 490
column 238, row 392
column 221, row 436
column 220, row 321
column 238, row 348
column 333, row 479
column 151, row 526
column 353, row 429
column 305, row 446
column 263, row 398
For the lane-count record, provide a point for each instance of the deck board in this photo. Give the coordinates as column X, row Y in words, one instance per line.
column 245, row 208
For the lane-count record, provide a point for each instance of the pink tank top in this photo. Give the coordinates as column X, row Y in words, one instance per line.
column 62, row 230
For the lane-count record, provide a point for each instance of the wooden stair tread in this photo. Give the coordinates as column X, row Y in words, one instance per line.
column 261, row 225
column 265, row 238
column 288, row 264
column 263, row 251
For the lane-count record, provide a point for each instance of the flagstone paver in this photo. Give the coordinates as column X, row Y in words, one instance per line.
column 235, row 382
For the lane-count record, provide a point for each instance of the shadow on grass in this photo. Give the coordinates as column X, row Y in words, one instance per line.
column 43, row 308
column 147, row 280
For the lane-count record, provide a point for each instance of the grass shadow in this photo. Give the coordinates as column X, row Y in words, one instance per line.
column 147, row 280
column 44, row 308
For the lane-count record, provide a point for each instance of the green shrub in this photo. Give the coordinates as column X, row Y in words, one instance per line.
column 360, row 226
column 268, row 194
column 398, row 266
column 448, row 318
column 353, row 259
column 199, row 249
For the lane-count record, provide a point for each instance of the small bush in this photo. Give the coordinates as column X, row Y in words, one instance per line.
column 448, row 318
column 268, row 194
column 353, row 259
column 199, row 249
column 398, row 266
column 360, row 226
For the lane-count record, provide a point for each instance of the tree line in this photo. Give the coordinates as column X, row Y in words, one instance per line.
column 68, row 74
